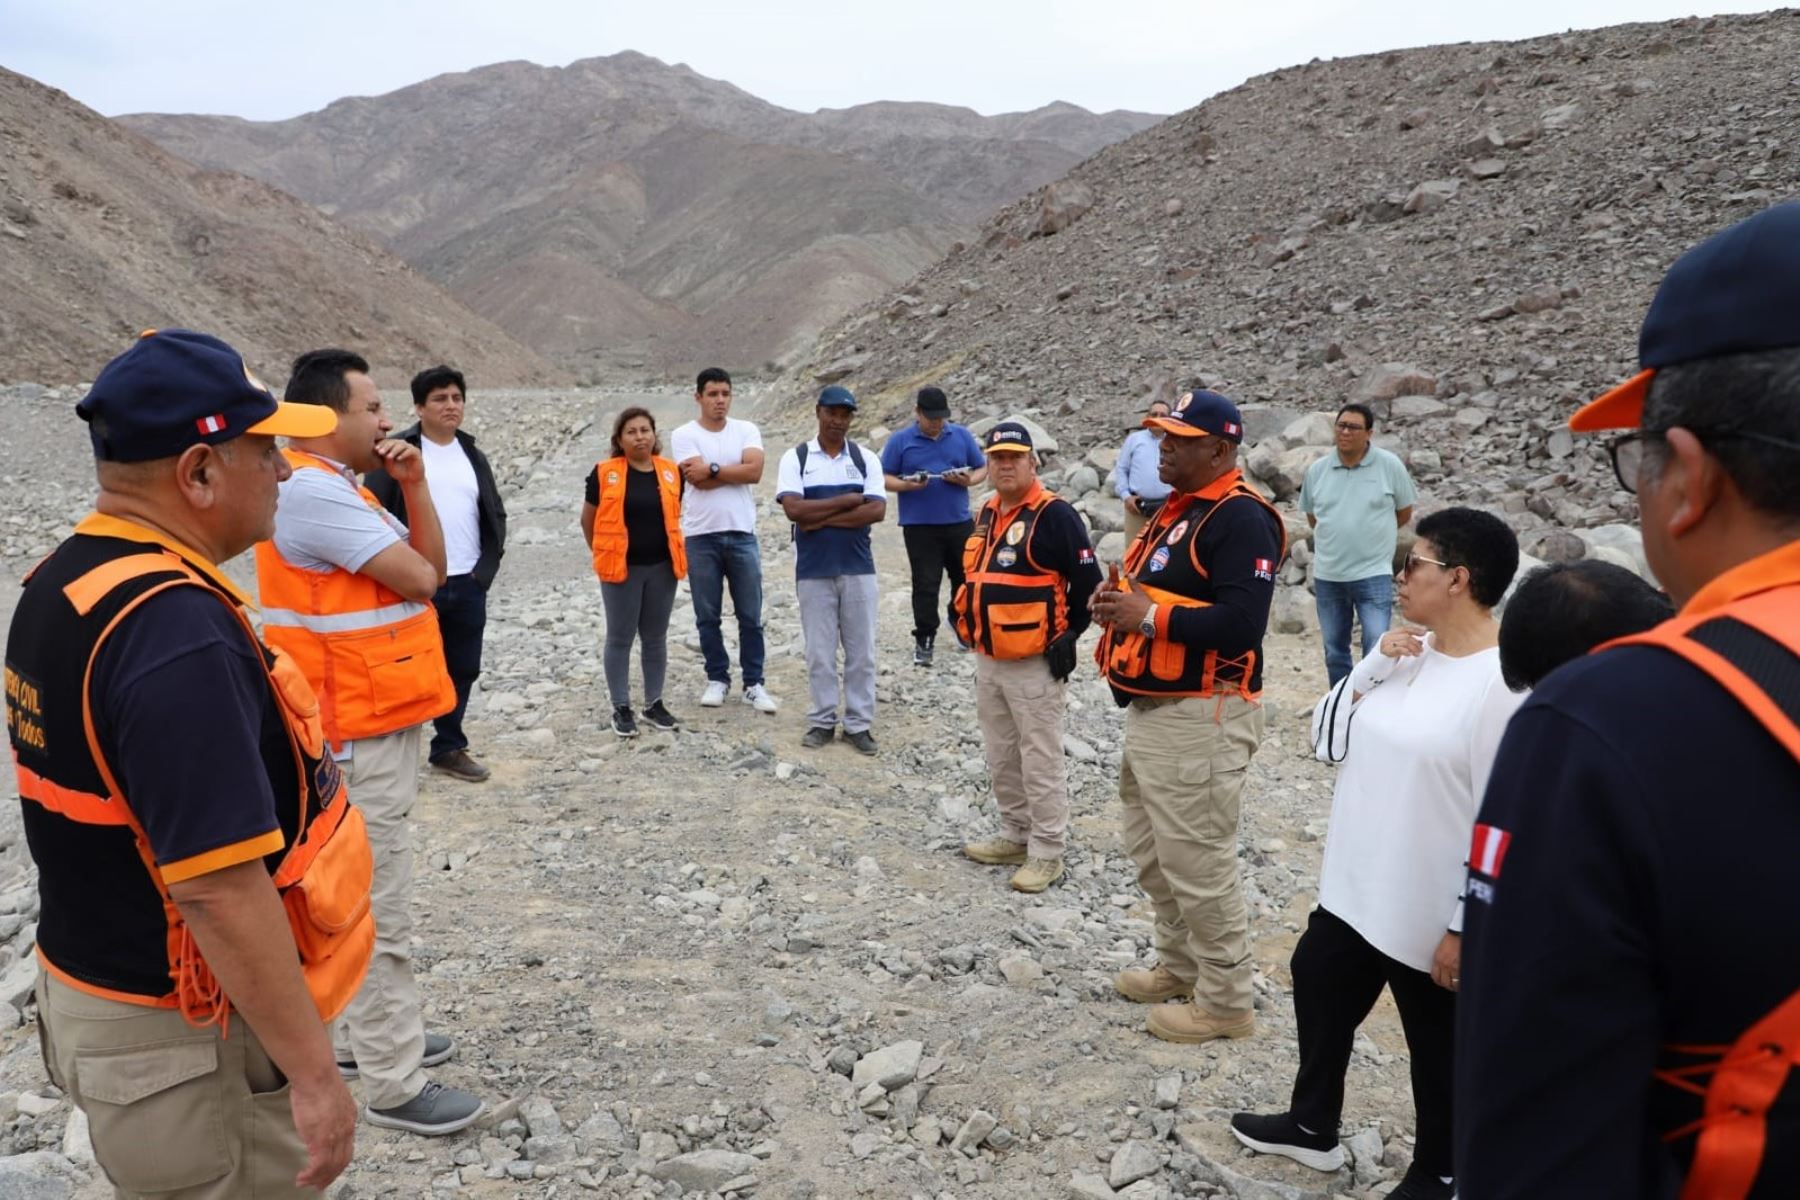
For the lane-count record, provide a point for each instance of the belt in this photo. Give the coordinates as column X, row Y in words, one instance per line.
column 1143, row 702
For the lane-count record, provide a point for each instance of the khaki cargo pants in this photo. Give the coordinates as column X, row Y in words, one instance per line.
column 1020, row 709
column 174, row 1112
column 1180, row 783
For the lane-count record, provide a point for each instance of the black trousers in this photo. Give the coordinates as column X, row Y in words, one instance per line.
column 934, row 551
column 462, row 617
column 1338, row 977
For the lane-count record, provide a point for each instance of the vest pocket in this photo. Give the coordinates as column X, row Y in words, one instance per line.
column 1018, row 630
column 1168, row 658
column 403, row 667
column 328, row 912
column 300, row 703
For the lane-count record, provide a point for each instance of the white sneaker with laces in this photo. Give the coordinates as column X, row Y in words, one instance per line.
column 757, row 697
column 714, row 695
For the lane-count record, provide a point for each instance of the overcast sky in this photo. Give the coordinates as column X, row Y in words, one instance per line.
column 269, row 61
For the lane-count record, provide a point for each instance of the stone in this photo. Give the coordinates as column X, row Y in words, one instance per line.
column 1365, row 1155
column 1313, row 429
column 551, row 1149
column 1090, row 1187
column 843, row 368
column 705, row 1170
column 1430, row 196
column 1413, row 408
column 1064, row 203
column 19, row 982
column 866, row 1143
column 1560, row 117
column 1168, row 1090
column 1053, row 920
column 1041, row 439
column 1080, row 482
column 891, row 1066
column 1021, row 970
column 1539, row 299
column 1131, row 1162
column 1487, row 168
column 601, row 1134
column 1559, row 545
column 1623, row 538
column 1391, row 379
column 77, row 1143
column 974, row 1131
column 34, row 1105
column 540, row 1116
column 39, row 1175
column 1079, row 750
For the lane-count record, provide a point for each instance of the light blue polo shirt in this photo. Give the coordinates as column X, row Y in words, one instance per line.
column 1355, row 507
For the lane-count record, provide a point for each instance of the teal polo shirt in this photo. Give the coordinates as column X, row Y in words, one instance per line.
column 1355, row 507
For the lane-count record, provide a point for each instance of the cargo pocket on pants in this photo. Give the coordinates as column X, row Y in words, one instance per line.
column 156, row 1113
column 273, row 1152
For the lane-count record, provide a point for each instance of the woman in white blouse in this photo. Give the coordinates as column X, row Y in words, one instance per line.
column 1416, row 726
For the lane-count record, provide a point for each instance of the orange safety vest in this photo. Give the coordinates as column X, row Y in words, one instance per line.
column 74, row 807
column 610, row 537
column 1750, row 644
column 375, row 658
column 1008, row 606
column 1167, row 550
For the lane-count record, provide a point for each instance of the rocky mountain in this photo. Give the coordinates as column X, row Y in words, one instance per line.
column 1464, row 236
column 103, row 233
column 623, row 210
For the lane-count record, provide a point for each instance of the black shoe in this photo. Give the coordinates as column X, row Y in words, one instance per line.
column 1421, row 1184
column 658, row 717
column 623, row 723
column 922, row 651
column 817, row 736
column 863, row 741
column 1278, row 1133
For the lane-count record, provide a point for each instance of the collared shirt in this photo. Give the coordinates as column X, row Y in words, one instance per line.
column 937, row 503
column 323, row 523
column 826, row 553
column 1639, row 830
column 1138, row 467
column 1356, row 508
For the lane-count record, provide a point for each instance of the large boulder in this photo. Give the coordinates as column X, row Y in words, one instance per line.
column 1624, row 539
column 1064, row 203
column 1283, row 470
column 1381, row 385
column 1313, row 429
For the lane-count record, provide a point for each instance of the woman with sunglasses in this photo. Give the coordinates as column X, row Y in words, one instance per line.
column 1428, row 709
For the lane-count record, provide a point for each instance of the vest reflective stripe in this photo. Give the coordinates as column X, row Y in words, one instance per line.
column 1751, row 648
column 1162, row 666
column 373, row 618
column 374, row 658
column 1010, row 610
column 85, row 807
column 610, row 535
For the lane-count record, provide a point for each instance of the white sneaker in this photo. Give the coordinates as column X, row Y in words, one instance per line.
column 714, row 695
column 757, row 697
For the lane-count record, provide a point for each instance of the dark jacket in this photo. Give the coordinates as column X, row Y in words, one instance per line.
column 490, row 509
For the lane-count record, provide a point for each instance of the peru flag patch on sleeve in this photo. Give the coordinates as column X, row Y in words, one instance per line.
column 1489, row 850
column 1265, row 569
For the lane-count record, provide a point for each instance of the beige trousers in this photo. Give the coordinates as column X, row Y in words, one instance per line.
column 1180, row 783
column 174, row 1112
column 383, row 1029
column 1133, row 523
column 1020, row 708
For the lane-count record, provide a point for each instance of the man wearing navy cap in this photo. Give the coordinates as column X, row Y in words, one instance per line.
column 1628, row 1017
column 164, row 773
column 1182, row 649
column 831, row 489
column 931, row 465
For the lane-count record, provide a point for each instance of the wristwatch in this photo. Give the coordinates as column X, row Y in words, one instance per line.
column 1147, row 626
column 712, row 470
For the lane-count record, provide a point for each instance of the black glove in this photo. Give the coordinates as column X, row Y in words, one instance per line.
column 1061, row 657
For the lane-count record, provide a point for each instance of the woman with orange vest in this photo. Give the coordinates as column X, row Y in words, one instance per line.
column 632, row 522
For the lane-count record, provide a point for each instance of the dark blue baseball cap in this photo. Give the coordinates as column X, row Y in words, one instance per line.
column 1201, row 413
column 1009, row 435
column 837, row 397
column 1735, row 293
column 175, row 388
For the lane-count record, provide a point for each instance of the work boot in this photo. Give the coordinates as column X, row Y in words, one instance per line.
column 1153, row 986
column 1037, row 874
column 817, row 736
column 862, row 741
column 996, row 852
column 458, row 764
column 1191, row 1024
column 922, row 651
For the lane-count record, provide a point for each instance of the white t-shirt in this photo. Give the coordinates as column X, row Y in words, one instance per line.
column 1421, row 747
column 721, row 509
column 450, row 476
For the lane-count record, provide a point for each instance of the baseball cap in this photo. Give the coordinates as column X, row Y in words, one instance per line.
column 933, row 403
column 837, row 397
column 1201, row 413
column 1735, row 293
column 174, row 388
column 1009, row 435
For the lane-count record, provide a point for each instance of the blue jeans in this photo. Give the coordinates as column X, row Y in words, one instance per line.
column 717, row 561
column 1370, row 601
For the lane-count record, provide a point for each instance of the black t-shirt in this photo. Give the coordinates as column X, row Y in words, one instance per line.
column 1641, row 828
column 646, row 541
column 1059, row 541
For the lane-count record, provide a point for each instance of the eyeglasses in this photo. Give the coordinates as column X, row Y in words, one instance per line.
column 1627, row 450
column 1414, row 558
column 1351, row 427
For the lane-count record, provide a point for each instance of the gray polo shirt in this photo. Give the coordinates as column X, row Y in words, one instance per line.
column 1355, row 507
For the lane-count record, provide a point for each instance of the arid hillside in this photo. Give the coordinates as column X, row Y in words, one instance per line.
column 103, row 233
column 621, row 210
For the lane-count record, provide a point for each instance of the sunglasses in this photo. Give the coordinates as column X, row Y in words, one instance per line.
column 1414, row 558
column 1351, row 427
